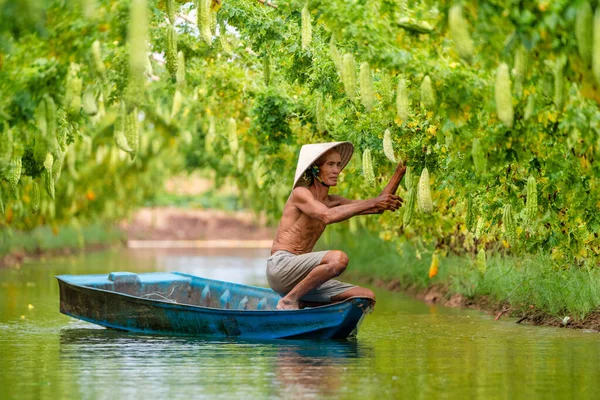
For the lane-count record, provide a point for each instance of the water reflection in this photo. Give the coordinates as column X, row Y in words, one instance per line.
column 307, row 369
column 314, row 370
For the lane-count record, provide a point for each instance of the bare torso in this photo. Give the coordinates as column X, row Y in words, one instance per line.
column 297, row 232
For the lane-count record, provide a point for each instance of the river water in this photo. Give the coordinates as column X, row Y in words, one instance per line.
column 405, row 349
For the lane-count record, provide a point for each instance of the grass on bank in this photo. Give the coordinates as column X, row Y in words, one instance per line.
column 44, row 239
column 522, row 282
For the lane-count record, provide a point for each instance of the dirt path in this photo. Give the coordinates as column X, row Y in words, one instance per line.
column 171, row 223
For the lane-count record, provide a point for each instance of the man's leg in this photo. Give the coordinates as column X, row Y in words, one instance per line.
column 332, row 265
column 354, row 292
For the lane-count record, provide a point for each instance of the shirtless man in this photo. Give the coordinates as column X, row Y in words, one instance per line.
column 293, row 270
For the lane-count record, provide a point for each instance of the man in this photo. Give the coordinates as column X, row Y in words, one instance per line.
column 293, row 270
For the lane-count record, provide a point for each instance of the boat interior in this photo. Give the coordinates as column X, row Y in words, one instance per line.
column 180, row 288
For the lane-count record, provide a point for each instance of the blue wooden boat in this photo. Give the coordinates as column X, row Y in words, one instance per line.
column 182, row 304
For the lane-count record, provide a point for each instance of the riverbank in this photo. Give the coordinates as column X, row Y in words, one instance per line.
column 526, row 288
column 45, row 241
column 151, row 224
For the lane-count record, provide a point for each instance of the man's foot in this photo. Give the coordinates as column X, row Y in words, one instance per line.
column 287, row 304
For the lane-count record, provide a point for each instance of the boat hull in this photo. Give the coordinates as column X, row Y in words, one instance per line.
column 126, row 312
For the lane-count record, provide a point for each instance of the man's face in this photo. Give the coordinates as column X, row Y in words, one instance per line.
column 330, row 167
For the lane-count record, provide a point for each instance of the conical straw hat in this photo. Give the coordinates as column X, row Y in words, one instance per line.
column 309, row 153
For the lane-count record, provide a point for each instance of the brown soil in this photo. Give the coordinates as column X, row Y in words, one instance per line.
column 170, row 223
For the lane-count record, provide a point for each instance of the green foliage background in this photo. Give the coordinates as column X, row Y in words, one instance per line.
column 254, row 69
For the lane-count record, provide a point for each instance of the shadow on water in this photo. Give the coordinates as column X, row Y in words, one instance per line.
column 313, row 349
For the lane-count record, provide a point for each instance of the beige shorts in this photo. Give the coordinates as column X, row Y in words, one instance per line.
column 285, row 270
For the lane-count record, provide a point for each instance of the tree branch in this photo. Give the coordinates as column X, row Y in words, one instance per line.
column 394, row 182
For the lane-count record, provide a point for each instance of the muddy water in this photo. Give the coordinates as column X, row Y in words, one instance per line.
column 405, row 349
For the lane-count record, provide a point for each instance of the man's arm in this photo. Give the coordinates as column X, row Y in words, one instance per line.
column 305, row 201
column 391, row 188
column 337, row 201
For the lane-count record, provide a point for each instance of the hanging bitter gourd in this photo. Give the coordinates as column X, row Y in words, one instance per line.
column 48, row 161
column 508, row 225
column 334, row 53
column 349, row 76
column 306, row 28
column 223, row 39
column 180, row 76
column 50, row 117
column 531, row 208
column 409, row 206
column 427, row 93
column 98, row 61
column 520, row 69
column 41, row 121
column 171, row 11
column 15, row 171
column 89, row 102
column 73, row 88
column 503, row 94
column 57, row 167
column 232, row 136
column 388, row 148
column 204, row 20
column 132, row 132
column 481, row 261
column 596, row 46
column 402, row 100
column 137, row 36
column 521, row 63
column 408, row 178
column 424, row 192
column 460, row 33
column 35, row 198
column 177, row 103
column 368, row 172
column 119, row 130
column 320, row 114
column 172, row 50
column 584, row 32
column 48, row 180
column 386, row 89
column 366, row 86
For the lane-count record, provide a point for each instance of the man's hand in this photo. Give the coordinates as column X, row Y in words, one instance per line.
column 388, row 202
